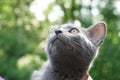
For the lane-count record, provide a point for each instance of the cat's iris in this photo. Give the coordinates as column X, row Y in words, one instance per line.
column 74, row 31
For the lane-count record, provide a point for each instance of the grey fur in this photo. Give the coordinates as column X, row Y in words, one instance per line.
column 69, row 56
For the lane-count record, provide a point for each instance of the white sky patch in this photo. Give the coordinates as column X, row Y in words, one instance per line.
column 94, row 3
column 119, row 34
column 85, row 12
column 55, row 14
column 95, row 11
column 86, row 2
column 77, row 23
column 117, row 6
column 38, row 7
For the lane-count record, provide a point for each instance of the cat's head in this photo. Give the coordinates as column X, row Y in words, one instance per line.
column 68, row 38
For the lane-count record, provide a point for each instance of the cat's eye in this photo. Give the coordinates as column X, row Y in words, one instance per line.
column 74, row 31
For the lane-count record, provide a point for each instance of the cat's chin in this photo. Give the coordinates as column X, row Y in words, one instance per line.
column 55, row 39
column 61, row 45
column 60, row 41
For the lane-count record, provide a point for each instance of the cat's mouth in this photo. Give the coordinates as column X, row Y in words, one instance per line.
column 58, row 40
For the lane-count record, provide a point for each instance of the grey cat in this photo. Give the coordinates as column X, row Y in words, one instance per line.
column 71, row 50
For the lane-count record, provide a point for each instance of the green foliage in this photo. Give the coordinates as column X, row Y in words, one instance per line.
column 23, row 37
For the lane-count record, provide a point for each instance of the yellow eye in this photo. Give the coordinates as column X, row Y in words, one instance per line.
column 74, row 31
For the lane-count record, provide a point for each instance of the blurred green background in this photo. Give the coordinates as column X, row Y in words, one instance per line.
column 24, row 27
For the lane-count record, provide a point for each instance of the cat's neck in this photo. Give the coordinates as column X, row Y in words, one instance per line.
column 68, row 65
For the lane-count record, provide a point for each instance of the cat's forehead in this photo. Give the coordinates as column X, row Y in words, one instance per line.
column 68, row 26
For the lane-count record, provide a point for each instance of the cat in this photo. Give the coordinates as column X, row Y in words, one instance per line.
column 71, row 50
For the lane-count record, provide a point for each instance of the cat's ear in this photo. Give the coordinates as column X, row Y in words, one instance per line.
column 97, row 33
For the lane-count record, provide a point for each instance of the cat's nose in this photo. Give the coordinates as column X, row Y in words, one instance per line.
column 58, row 31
